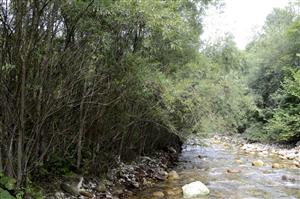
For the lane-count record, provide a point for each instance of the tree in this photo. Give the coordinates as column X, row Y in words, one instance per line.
column 272, row 57
column 87, row 81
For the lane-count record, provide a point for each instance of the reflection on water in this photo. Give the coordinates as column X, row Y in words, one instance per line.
column 210, row 164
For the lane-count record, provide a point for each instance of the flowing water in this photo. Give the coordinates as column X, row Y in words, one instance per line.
column 211, row 169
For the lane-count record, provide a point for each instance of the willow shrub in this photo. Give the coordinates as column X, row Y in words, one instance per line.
column 285, row 123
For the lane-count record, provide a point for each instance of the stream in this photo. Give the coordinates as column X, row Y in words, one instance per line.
column 210, row 164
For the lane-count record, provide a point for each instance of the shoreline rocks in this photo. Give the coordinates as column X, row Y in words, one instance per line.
column 283, row 152
column 124, row 180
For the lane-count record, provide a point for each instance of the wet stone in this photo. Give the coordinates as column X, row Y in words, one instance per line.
column 233, row 171
column 158, row 194
column 173, row 175
column 101, row 187
column 276, row 166
column 257, row 163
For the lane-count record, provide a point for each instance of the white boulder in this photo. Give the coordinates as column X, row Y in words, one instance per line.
column 194, row 190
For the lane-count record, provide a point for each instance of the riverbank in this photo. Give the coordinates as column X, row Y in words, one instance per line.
column 120, row 182
column 285, row 152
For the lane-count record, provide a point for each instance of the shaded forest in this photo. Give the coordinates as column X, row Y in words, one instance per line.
column 85, row 83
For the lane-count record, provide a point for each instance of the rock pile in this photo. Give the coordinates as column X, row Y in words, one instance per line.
column 124, row 179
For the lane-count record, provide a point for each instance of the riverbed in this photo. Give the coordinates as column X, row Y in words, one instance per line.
column 212, row 164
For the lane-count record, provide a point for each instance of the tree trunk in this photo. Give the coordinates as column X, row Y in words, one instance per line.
column 22, row 127
column 1, row 164
column 81, row 127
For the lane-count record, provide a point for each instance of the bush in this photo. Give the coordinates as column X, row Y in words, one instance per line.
column 284, row 126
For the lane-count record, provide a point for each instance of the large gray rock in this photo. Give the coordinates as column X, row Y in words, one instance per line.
column 72, row 187
column 194, row 190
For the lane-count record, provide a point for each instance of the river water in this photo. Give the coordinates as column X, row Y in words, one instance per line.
column 210, row 164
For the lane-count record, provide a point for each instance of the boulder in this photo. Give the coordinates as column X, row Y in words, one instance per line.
column 276, row 166
column 129, row 193
column 239, row 161
column 101, row 187
column 70, row 189
column 86, row 194
column 194, row 190
column 118, row 190
column 173, row 191
column 284, row 177
column 233, row 171
column 170, row 192
column 158, row 194
column 58, row 195
column 135, row 184
column 263, row 153
column 173, row 175
column 291, row 156
column 296, row 163
column 282, row 157
column 177, row 190
column 202, row 156
column 163, row 173
column 257, row 163
column 73, row 186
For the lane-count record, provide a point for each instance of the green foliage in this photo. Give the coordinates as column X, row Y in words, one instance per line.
column 212, row 103
column 99, row 79
column 57, row 166
column 285, row 123
column 273, row 61
column 225, row 53
column 33, row 190
column 5, row 194
column 7, row 182
column 255, row 132
column 20, row 195
column 268, row 54
column 106, row 79
column 223, row 99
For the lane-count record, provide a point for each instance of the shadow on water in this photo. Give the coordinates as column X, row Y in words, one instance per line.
column 210, row 164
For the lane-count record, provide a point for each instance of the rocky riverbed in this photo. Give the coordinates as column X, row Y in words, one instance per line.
column 220, row 167
column 231, row 168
